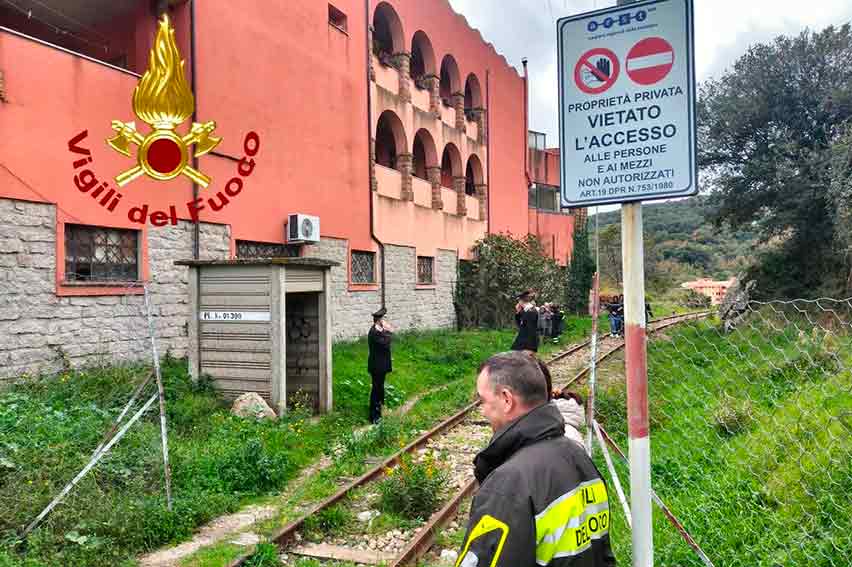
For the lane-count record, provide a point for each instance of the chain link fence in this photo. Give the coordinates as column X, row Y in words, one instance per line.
column 751, row 437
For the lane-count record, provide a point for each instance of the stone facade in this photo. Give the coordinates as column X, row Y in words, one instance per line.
column 43, row 332
column 409, row 306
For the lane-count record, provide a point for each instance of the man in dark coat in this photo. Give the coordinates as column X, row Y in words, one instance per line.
column 379, row 361
column 526, row 317
column 541, row 500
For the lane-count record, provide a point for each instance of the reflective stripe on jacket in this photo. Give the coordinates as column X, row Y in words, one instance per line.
column 541, row 500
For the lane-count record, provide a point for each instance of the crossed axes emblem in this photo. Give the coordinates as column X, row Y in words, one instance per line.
column 127, row 134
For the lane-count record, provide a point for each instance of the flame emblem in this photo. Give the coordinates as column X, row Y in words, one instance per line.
column 163, row 100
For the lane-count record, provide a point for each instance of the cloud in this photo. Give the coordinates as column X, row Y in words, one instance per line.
column 724, row 29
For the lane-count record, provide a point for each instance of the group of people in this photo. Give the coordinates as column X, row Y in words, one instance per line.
column 615, row 309
column 534, row 322
column 541, row 500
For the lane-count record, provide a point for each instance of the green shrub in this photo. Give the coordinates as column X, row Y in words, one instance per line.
column 413, row 489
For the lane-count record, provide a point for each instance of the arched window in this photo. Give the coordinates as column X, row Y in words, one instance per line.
column 390, row 139
column 422, row 58
column 450, row 79
column 473, row 175
column 451, row 165
column 388, row 38
column 472, row 93
column 423, row 154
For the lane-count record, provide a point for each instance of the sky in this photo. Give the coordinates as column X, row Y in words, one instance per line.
column 724, row 29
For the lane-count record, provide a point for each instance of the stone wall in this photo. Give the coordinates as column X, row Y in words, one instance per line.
column 43, row 332
column 409, row 307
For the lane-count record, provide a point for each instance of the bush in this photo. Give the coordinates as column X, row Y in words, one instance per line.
column 691, row 299
column 412, row 489
column 504, row 266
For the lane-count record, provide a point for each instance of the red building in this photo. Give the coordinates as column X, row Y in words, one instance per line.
column 394, row 123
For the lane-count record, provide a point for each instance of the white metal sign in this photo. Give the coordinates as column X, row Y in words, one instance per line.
column 627, row 103
column 234, row 316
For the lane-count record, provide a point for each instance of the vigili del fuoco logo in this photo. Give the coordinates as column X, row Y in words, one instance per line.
column 164, row 101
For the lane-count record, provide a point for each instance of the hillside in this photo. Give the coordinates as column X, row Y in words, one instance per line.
column 681, row 242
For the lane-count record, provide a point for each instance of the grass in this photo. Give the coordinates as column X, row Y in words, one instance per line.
column 750, row 446
column 213, row 556
column 50, row 425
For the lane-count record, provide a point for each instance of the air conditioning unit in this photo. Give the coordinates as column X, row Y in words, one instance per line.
column 302, row 229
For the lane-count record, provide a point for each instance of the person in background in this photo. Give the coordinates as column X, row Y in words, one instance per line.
column 619, row 316
column 569, row 404
column 541, row 500
column 526, row 317
column 379, row 361
column 545, row 320
column 648, row 313
column 558, row 317
column 573, row 411
column 612, row 310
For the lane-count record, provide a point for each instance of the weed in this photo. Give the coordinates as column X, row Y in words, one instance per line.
column 413, row 489
column 265, row 555
column 50, row 425
column 732, row 415
column 334, row 519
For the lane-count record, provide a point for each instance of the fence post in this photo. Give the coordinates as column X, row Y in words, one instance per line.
column 590, row 414
column 636, row 370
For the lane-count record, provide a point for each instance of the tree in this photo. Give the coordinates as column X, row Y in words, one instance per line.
column 841, row 198
column 609, row 247
column 766, row 132
column 502, row 267
column 580, row 272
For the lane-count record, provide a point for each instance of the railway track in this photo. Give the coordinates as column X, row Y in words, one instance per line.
column 406, row 547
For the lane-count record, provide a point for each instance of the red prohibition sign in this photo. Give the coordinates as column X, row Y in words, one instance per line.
column 650, row 61
column 596, row 70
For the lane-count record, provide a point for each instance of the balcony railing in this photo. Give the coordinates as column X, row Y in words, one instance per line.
column 422, row 192
column 387, row 77
column 389, row 182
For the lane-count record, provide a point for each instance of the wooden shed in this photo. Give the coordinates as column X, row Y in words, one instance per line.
column 263, row 325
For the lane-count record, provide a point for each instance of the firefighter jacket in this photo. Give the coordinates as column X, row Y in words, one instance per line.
column 527, row 321
column 541, row 500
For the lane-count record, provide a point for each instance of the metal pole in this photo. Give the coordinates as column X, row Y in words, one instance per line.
column 615, row 481
column 92, row 462
column 590, row 414
column 635, row 365
column 660, row 504
column 167, row 471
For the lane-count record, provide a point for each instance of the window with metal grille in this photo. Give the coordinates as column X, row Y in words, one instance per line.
column 363, row 267
column 252, row 249
column 98, row 254
column 425, row 270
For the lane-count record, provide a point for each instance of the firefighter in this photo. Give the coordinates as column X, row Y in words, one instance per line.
column 541, row 500
column 379, row 361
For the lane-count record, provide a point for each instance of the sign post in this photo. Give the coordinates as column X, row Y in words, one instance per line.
column 627, row 134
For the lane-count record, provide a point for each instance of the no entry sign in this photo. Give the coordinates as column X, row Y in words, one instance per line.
column 627, row 103
column 650, row 60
